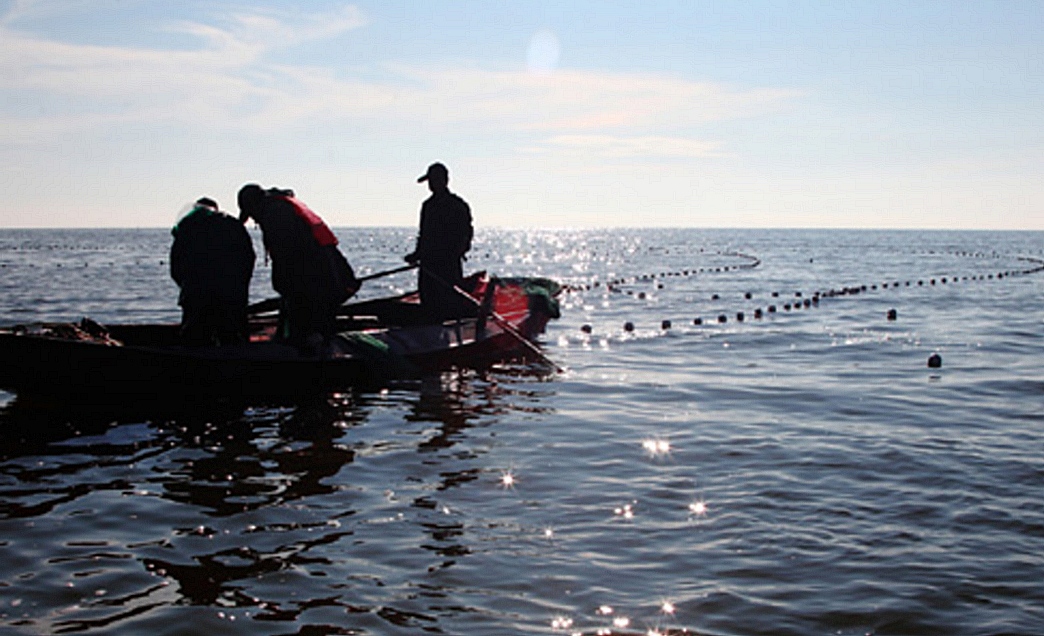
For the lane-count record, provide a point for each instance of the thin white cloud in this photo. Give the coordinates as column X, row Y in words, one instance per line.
column 227, row 83
column 20, row 10
column 282, row 29
column 64, row 87
column 572, row 100
column 610, row 146
column 498, row 102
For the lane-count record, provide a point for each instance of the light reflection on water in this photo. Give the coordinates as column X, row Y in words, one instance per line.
column 227, row 510
column 805, row 473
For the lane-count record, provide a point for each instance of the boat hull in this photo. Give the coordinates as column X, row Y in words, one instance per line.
column 146, row 361
column 97, row 371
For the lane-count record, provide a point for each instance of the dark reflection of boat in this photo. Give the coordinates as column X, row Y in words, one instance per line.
column 457, row 402
column 233, row 500
column 239, row 473
column 378, row 340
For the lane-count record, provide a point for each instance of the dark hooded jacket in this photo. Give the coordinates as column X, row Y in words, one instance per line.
column 212, row 261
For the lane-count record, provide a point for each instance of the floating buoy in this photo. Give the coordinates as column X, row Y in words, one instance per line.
column 641, row 295
column 748, row 296
column 757, row 313
column 892, row 314
column 772, row 309
column 723, row 318
column 697, row 321
column 739, row 316
column 715, row 297
column 666, row 324
column 586, row 328
column 775, row 294
column 628, row 326
column 934, row 361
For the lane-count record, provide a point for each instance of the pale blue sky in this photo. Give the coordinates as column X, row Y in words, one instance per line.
column 705, row 114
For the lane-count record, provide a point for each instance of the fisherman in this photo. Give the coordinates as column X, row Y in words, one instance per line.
column 212, row 260
column 444, row 239
column 309, row 272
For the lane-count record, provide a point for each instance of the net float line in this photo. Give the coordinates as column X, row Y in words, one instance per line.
column 804, row 301
column 750, row 262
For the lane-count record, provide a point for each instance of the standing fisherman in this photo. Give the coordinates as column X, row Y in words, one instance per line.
column 308, row 270
column 212, row 260
column 444, row 239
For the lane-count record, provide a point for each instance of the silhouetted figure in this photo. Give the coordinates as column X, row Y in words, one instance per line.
column 308, row 270
column 444, row 239
column 212, row 260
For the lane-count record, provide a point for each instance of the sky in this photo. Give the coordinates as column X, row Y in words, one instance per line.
column 919, row 114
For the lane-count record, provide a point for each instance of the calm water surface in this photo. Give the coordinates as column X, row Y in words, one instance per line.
column 802, row 473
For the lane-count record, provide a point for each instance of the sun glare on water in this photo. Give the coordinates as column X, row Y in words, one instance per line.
column 656, row 447
column 507, row 479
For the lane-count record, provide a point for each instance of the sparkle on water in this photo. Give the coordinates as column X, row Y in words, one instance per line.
column 657, row 447
column 507, row 479
column 561, row 622
column 625, row 511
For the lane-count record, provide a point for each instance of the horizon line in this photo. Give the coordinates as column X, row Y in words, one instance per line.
column 565, row 228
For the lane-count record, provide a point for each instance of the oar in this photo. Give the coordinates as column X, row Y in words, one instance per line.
column 387, row 272
column 500, row 320
column 271, row 304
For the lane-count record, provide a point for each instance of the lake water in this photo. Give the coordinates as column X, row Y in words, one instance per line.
column 801, row 473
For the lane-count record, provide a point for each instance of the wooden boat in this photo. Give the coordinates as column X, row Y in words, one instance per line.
column 378, row 340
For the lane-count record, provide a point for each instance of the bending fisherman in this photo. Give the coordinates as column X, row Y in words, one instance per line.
column 212, row 260
column 309, row 272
